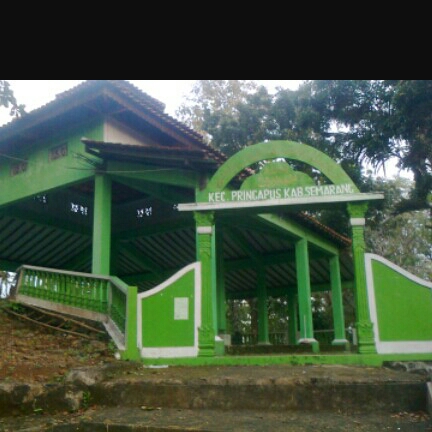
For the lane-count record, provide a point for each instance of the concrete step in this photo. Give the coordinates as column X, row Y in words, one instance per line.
column 280, row 395
column 133, row 397
column 263, row 388
column 297, row 388
column 157, row 419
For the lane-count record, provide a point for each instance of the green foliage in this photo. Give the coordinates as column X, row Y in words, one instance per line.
column 375, row 120
column 7, row 99
column 277, row 314
column 322, row 311
column 239, row 316
column 112, row 347
column 86, row 400
column 17, row 307
column 403, row 238
column 212, row 104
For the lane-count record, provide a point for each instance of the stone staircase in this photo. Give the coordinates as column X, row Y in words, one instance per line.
column 126, row 396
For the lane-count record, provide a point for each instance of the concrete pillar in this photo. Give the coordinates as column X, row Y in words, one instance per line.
column 292, row 317
column 263, row 331
column 337, row 301
column 364, row 326
column 220, row 289
column 205, row 255
column 304, row 295
column 102, row 225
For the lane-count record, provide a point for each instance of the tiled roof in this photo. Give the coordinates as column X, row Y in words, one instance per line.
column 148, row 104
column 161, row 154
column 126, row 87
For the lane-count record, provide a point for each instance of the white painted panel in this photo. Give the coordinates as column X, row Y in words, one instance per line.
column 116, row 133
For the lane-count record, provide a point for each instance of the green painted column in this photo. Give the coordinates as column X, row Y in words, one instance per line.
column 102, row 225
column 292, row 317
column 364, row 326
column 263, row 329
column 337, row 301
column 131, row 351
column 220, row 284
column 304, row 295
column 214, row 280
column 205, row 232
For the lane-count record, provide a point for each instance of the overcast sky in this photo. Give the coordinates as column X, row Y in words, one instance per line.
column 35, row 93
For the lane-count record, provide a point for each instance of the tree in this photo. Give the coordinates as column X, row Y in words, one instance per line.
column 7, row 99
column 215, row 99
column 375, row 120
column 403, row 238
column 413, row 104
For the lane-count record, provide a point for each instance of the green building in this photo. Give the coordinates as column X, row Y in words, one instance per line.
column 112, row 210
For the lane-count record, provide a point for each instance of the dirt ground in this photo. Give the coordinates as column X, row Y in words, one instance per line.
column 30, row 353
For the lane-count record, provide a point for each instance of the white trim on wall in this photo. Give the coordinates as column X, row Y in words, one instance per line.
column 199, row 206
column 357, row 221
column 205, row 230
column 169, row 352
column 396, row 347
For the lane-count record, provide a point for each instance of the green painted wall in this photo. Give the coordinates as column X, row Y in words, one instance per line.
column 160, row 328
column 43, row 174
column 404, row 307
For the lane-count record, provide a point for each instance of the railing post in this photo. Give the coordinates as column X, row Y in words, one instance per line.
column 131, row 351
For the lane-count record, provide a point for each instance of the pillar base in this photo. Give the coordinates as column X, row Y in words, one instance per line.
column 367, row 348
column 265, row 343
column 133, row 354
column 226, row 337
column 366, row 340
column 206, row 352
column 219, row 346
column 310, row 341
column 339, row 342
column 206, row 344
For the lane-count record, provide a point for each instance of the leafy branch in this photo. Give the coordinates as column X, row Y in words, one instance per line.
column 8, row 100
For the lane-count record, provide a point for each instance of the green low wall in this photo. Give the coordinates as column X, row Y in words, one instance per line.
column 169, row 316
column 400, row 307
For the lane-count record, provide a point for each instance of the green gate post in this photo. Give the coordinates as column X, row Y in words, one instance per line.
column 292, row 317
column 364, row 326
column 220, row 284
column 304, row 295
column 205, row 231
column 263, row 332
column 131, row 342
column 338, row 312
column 102, row 225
